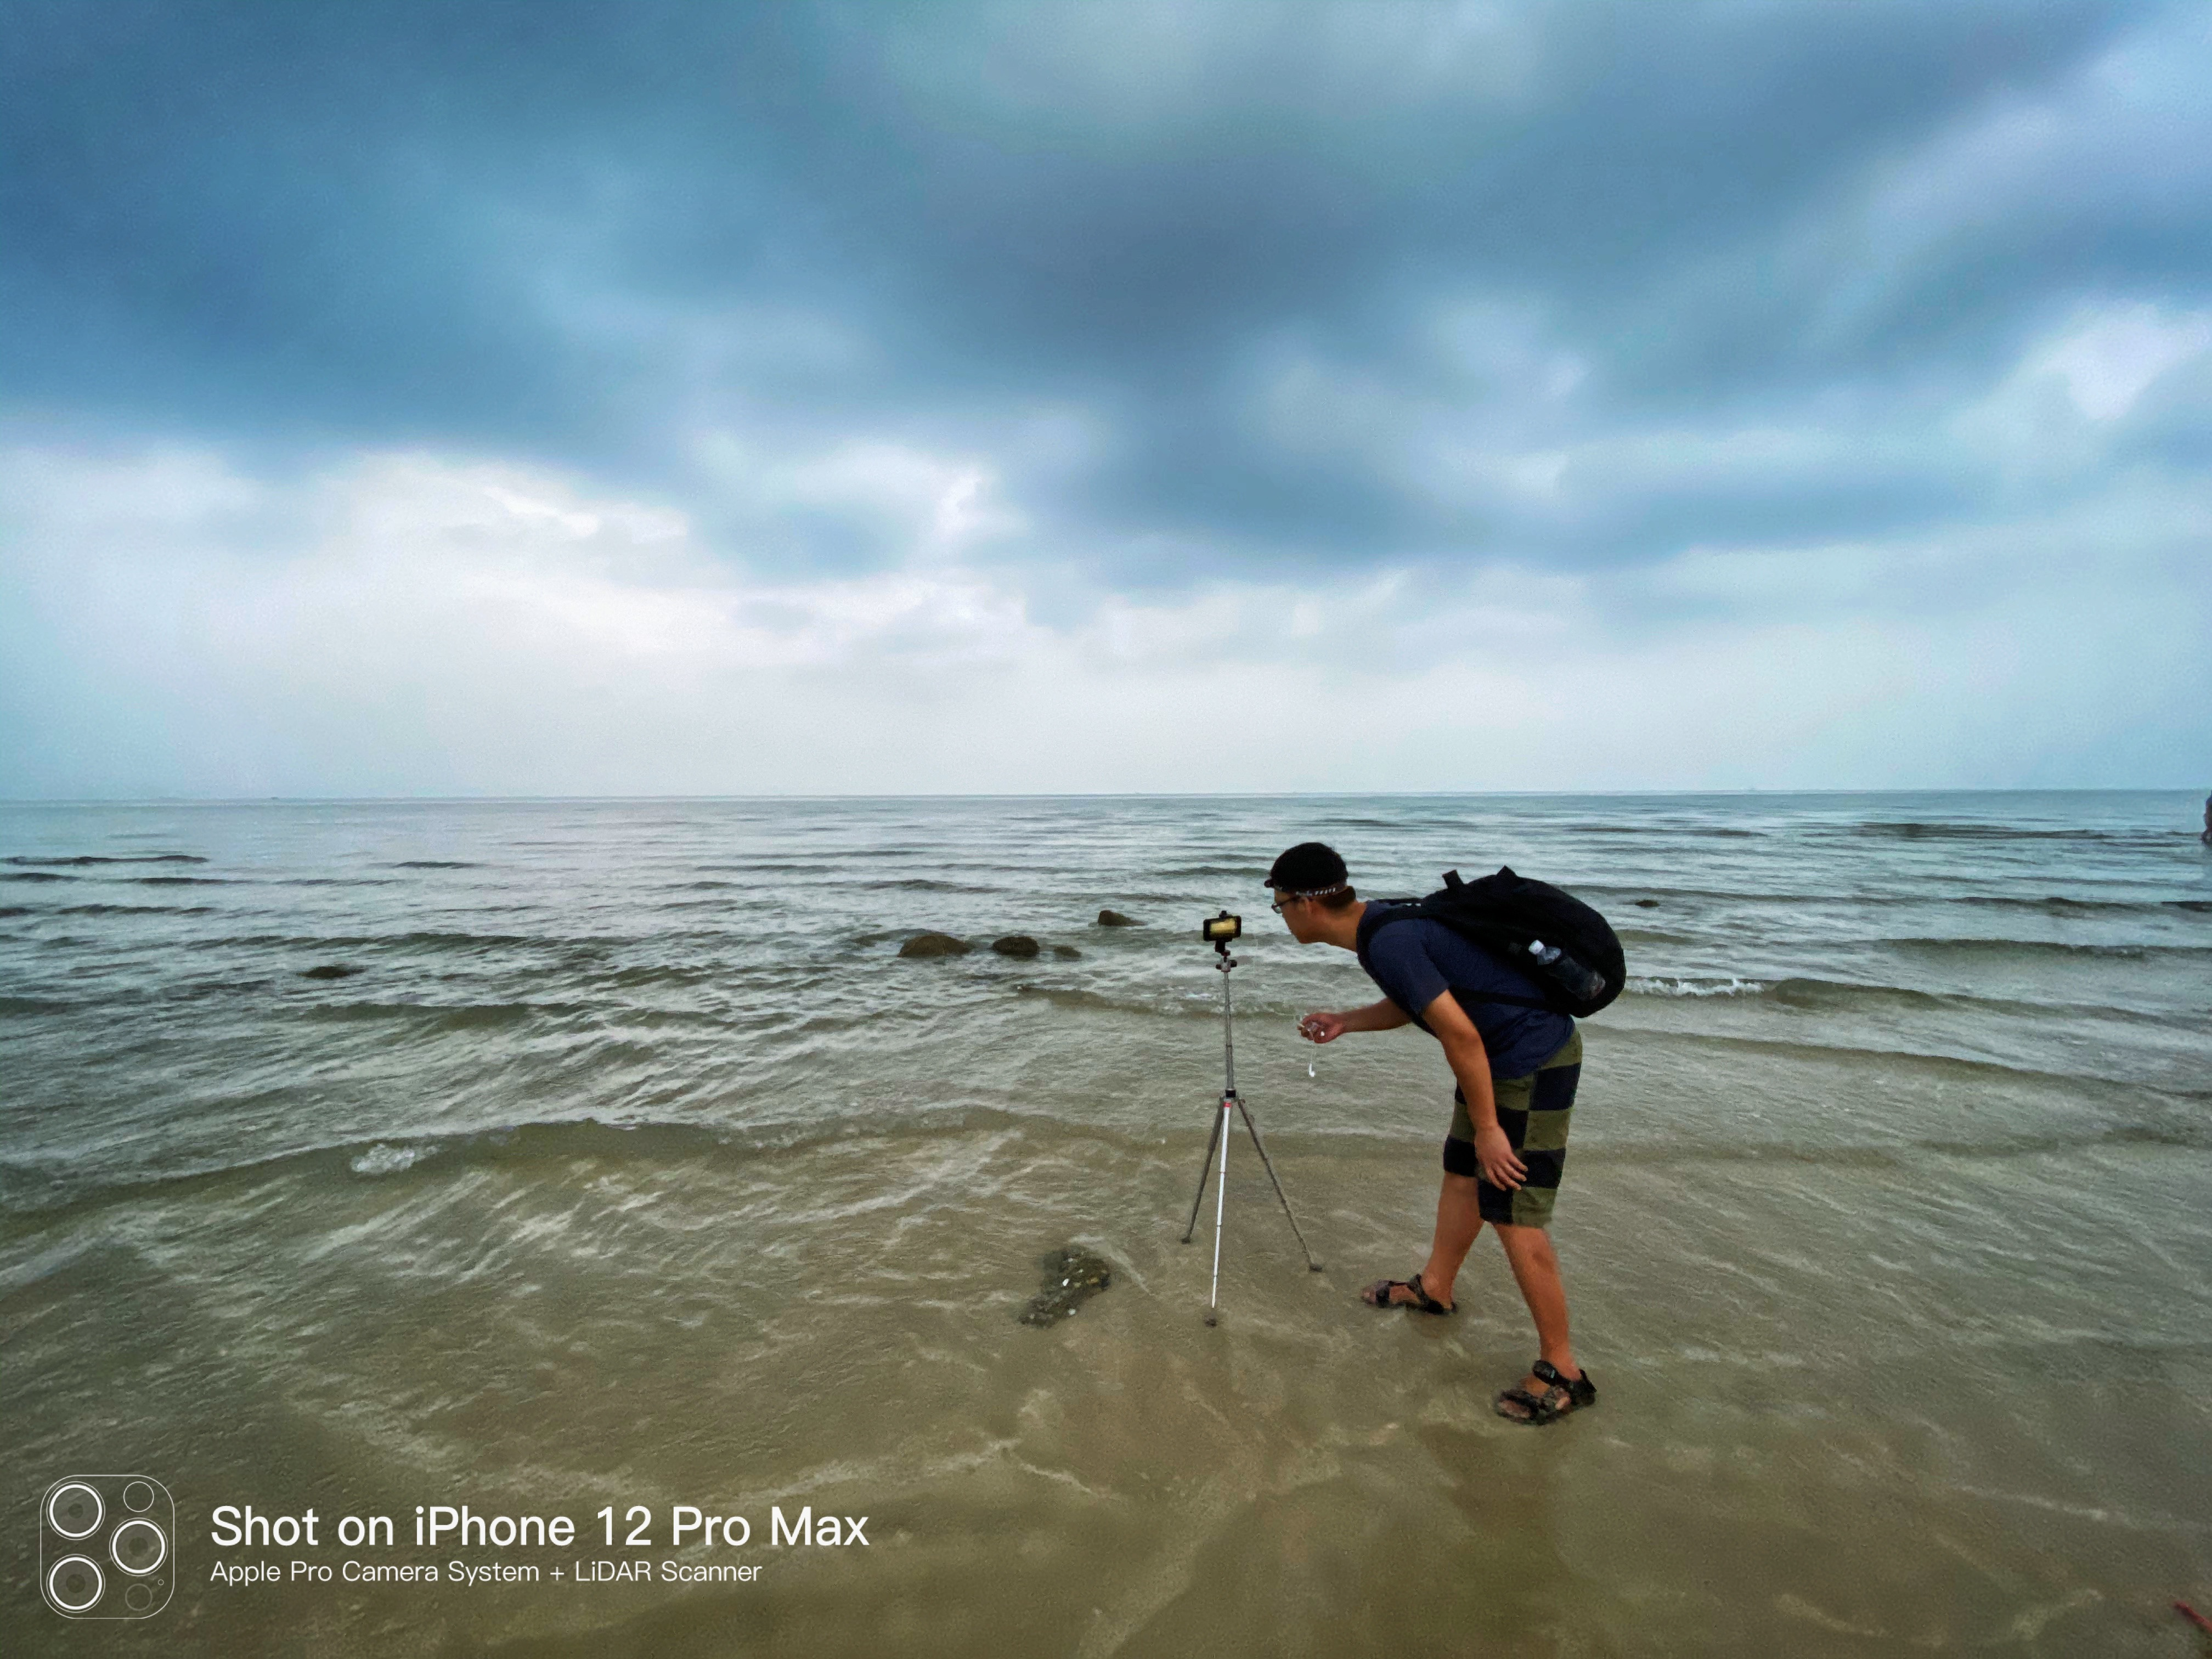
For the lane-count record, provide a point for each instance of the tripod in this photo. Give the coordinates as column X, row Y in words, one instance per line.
column 1219, row 1139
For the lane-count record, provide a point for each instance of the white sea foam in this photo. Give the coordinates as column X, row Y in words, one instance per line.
column 1731, row 986
column 381, row 1159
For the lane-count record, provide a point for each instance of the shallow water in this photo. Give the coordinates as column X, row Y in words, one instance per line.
column 629, row 1165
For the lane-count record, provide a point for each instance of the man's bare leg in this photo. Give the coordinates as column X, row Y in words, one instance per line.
column 1459, row 1219
column 1536, row 1269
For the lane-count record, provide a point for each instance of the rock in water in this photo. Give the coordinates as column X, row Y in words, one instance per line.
column 935, row 945
column 1066, row 953
column 1072, row 1277
column 329, row 970
column 1015, row 945
column 1115, row 918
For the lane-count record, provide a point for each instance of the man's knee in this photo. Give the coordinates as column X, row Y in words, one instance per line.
column 1533, row 1243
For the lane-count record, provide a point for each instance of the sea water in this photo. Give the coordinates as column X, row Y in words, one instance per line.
column 554, row 1155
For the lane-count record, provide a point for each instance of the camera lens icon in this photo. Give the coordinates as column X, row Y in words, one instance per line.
column 75, row 1584
column 75, row 1509
column 107, row 1547
column 139, row 1547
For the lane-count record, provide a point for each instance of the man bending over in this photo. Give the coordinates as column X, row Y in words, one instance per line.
column 1517, row 1066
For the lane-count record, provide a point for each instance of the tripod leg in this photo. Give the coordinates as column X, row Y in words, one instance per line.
column 1312, row 1266
column 1220, row 1213
column 1211, row 1142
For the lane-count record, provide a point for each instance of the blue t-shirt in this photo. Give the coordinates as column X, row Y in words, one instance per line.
column 1418, row 960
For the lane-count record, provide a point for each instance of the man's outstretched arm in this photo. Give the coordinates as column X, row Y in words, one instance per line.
column 1383, row 1016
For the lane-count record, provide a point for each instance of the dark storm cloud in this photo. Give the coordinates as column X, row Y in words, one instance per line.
column 1274, row 268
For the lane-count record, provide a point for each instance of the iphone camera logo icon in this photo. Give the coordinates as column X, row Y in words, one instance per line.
column 107, row 1547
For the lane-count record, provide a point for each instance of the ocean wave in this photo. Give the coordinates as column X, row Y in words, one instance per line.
column 2060, row 949
column 1611, row 891
column 1911, row 829
column 182, row 881
column 902, row 884
column 2179, row 1137
column 8, row 911
column 110, row 858
column 1614, row 897
column 552, row 1145
column 1062, row 996
column 1641, row 986
column 1835, row 995
column 664, row 974
column 34, row 875
column 449, row 1016
column 27, row 1006
column 134, row 910
column 1953, row 1066
column 774, row 867
column 461, row 942
column 2058, row 905
column 435, row 864
column 912, row 885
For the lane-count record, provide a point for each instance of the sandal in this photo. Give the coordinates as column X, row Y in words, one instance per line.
column 1377, row 1295
column 1561, row 1397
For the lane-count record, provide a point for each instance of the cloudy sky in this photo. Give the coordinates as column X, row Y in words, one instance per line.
column 551, row 398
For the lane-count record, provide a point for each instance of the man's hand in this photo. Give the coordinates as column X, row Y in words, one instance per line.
column 1500, row 1164
column 1384, row 1016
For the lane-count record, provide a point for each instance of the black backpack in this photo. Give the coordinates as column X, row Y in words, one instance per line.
column 1568, row 950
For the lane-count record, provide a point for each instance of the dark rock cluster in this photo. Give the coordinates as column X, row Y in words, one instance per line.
column 1115, row 918
column 1072, row 1277
column 1021, row 946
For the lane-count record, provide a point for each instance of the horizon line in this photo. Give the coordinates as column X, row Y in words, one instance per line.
column 1131, row 794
